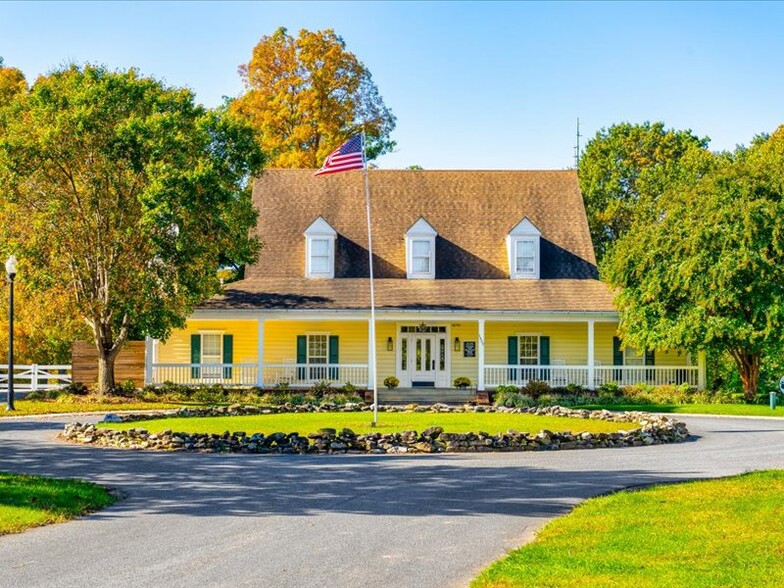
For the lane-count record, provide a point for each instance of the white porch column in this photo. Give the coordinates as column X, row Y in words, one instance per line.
column 148, row 360
column 371, row 374
column 701, row 362
column 480, row 354
column 591, row 361
column 260, row 354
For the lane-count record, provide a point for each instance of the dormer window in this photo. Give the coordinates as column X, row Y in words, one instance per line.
column 522, row 244
column 320, row 250
column 421, row 251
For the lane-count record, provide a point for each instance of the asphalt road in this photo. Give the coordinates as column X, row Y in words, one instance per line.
column 419, row 521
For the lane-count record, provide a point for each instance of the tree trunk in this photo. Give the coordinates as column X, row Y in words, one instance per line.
column 105, row 372
column 748, row 365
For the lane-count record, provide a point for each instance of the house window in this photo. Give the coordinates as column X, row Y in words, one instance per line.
column 319, row 256
column 525, row 257
column 318, row 353
column 529, row 349
column 631, row 357
column 320, row 250
column 404, row 353
column 421, row 257
column 523, row 244
column 421, row 250
column 211, row 353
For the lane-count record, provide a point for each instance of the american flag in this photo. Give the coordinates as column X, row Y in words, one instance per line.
column 347, row 156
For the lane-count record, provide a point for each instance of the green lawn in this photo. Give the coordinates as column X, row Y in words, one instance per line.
column 31, row 501
column 29, row 407
column 725, row 532
column 359, row 422
column 726, row 409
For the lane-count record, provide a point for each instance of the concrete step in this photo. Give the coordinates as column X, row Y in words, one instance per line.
column 426, row 395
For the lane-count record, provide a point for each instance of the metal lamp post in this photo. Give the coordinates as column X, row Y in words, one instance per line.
column 10, row 269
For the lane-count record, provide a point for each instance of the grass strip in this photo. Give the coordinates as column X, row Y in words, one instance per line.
column 36, row 407
column 360, row 422
column 718, row 409
column 31, row 501
column 724, row 532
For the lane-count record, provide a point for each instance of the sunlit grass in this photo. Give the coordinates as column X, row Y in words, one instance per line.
column 360, row 422
column 719, row 409
column 31, row 501
column 726, row 532
column 33, row 407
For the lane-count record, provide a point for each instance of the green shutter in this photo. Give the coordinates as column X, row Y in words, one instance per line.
column 512, row 357
column 617, row 352
column 195, row 355
column 228, row 355
column 650, row 357
column 333, row 356
column 544, row 356
column 302, row 355
column 617, row 358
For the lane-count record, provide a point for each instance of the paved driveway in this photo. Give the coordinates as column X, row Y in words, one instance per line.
column 231, row 520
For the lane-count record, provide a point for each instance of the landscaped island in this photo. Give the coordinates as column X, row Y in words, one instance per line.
column 320, row 429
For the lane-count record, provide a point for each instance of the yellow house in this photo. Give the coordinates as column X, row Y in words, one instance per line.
column 489, row 275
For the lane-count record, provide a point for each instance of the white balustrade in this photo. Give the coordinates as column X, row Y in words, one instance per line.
column 245, row 374
column 563, row 375
column 197, row 374
column 305, row 375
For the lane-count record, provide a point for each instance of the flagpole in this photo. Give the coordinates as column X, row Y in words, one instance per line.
column 372, row 289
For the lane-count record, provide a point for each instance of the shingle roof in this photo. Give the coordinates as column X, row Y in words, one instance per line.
column 394, row 294
column 472, row 211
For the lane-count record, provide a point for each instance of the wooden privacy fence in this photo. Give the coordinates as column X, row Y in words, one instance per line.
column 129, row 364
column 29, row 378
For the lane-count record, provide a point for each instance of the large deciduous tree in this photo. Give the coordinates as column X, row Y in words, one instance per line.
column 307, row 95
column 12, row 82
column 619, row 171
column 128, row 194
column 703, row 269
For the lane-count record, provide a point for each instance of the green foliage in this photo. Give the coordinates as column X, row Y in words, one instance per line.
column 391, row 382
column 127, row 192
column 620, row 171
column 702, row 269
column 321, row 388
column 536, row 388
column 349, row 388
column 461, row 382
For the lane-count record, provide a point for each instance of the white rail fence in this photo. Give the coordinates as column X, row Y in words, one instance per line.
column 563, row 375
column 30, row 378
column 291, row 375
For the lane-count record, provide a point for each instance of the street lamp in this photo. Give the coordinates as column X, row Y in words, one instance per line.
column 10, row 269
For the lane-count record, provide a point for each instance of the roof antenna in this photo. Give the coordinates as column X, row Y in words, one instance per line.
column 577, row 146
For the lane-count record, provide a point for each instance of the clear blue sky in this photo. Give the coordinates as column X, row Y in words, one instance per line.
column 473, row 85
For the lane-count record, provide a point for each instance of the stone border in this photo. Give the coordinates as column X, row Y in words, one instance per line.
column 652, row 430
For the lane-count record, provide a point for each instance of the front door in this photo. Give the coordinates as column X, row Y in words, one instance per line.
column 423, row 360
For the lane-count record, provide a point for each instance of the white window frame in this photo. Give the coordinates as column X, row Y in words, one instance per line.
column 520, row 337
column 421, row 232
column 639, row 358
column 211, row 372
column 316, row 371
column 524, row 231
column 320, row 230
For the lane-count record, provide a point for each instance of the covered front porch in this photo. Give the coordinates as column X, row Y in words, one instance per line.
column 427, row 351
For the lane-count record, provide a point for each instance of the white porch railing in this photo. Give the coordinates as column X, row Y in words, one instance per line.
column 29, row 378
column 246, row 374
column 563, row 375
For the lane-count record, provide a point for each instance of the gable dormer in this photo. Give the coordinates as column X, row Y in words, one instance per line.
column 421, row 250
column 320, row 249
column 522, row 245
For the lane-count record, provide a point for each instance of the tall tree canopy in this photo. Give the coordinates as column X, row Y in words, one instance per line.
column 702, row 269
column 619, row 170
column 308, row 95
column 12, row 82
column 126, row 192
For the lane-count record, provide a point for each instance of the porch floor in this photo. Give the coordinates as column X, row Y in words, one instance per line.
column 422, row 395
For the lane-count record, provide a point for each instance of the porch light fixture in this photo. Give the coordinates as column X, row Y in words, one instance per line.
column 390, row 344
column 10, row 269
column 457, row 343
